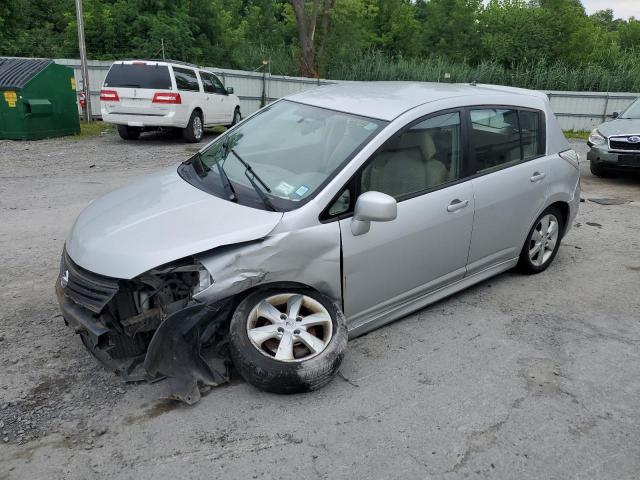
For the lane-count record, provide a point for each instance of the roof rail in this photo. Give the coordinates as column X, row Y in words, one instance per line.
column 167, row 60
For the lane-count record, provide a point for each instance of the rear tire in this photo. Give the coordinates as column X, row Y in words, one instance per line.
column 543, row 242
column 129, row 133
column 599, row 171
column 300, row 318
column 195, row 128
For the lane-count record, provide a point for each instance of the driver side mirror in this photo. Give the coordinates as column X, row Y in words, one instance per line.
column 372, row 207
column 615, row 114
column 229, row 90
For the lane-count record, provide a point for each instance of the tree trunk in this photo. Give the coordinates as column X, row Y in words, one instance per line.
column 306, row 24
column 324, row 26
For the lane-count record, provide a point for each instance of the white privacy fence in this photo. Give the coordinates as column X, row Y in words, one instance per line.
column 574, row 110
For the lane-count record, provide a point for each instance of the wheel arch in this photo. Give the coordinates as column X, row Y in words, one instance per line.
column 200, row 111
column 236, row 298
column 564, row 210
column 562, row 205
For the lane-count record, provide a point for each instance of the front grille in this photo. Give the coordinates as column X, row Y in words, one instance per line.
column 87, row 289
column 622, row 145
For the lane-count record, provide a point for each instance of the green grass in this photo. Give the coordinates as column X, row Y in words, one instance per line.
column 623, row 75
column 570, row 134
column 94, row 128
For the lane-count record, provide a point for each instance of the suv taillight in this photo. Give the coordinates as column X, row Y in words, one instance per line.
column 109, row 96
column 168, row 97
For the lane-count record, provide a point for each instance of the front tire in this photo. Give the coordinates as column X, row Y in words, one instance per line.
column 237, row 116
column 287, row 341
column 194, row 131
column 543, row 242
column 129, row 133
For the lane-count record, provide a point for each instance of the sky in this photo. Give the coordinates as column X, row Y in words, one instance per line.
column 621, row 8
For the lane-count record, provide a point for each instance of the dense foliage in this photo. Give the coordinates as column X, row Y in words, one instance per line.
column 550, row 44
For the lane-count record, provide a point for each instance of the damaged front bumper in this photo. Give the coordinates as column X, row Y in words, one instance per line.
column 185, row 343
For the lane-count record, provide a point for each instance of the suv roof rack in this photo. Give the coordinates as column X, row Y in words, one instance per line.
column 167, row 60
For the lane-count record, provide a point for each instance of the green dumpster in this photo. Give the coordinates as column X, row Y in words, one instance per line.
column 37, row 99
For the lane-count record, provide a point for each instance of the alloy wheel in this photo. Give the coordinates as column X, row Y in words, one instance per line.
column 289, row 327
column 543, row 240
column 197, row 127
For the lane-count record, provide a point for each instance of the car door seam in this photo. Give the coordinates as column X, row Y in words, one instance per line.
column 473, row 223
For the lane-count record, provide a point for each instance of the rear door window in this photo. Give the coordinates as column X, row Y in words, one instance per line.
column 186, row 79
column 141, row 75
column 495, row 137
column 532, row 133
column 501, row 137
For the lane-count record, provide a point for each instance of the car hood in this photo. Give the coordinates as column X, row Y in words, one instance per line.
column 621, row 126
column 156, row 220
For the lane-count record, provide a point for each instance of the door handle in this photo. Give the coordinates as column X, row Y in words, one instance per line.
column 537, row 176
column 457, row 204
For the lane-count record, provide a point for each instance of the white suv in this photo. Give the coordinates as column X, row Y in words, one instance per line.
column 140, row 95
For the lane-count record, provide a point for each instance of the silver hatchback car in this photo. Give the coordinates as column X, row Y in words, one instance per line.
column 321, row 217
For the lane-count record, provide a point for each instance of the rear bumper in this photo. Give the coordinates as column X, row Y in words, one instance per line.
column 153, row 121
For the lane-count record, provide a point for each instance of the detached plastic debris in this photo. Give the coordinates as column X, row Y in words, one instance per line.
column 608, row 201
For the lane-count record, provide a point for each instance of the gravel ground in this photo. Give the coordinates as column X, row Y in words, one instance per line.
column 518, row 377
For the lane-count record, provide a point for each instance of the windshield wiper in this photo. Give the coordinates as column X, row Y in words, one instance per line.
column 229, row 191
column 253, row 176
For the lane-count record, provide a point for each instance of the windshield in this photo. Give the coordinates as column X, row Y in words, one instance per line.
column 294, row 150
column 633, row 111
column 139, row 75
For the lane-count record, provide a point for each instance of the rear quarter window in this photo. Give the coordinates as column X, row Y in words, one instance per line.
column 139, row 76
column 186, row 79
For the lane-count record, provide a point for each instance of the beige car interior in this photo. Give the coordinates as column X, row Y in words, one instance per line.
column 416, row 160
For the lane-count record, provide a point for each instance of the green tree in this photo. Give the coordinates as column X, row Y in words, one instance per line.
column 450, row 28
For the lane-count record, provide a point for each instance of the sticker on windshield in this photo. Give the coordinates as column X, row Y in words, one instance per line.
column 302, row 189
column 284, row 189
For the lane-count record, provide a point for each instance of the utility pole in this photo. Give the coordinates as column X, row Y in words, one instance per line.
column 162, row 43
column 263, row 100
column 83, row 61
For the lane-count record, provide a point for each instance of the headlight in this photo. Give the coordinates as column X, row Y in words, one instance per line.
column 596, row 138
column 191, row 275
column 204, row 280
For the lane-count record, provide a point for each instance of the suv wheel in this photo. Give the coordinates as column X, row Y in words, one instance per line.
column 287, row 341
column 237, row 116
column 129, row 133
column 195, row 130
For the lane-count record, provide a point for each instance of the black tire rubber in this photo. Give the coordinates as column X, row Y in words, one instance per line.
column 187, row 133
column 275, row 376
column 524, row 263
column 129, row 133
column 599, row 171
column 237, row 116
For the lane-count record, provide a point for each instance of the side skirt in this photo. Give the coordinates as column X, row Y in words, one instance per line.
column 359, row 326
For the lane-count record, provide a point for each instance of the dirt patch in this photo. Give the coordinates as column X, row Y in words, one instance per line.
column 159, row 408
